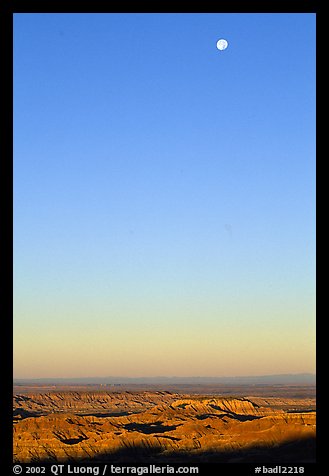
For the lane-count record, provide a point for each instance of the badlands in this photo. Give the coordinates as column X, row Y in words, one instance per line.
column 162, row 426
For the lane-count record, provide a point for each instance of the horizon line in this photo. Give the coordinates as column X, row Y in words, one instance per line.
column 168, row 377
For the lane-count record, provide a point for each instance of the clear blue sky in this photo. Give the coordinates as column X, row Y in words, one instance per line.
column 164, row 194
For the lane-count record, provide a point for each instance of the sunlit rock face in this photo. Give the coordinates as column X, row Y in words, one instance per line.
column 160, row 426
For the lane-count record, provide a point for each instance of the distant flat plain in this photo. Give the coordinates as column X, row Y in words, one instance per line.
column 287, row 391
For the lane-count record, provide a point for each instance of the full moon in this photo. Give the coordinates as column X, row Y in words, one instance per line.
column 222, row 44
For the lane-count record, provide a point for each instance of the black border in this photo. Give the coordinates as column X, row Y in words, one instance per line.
column 7, row 10
column 6, row 233
column 229, row 6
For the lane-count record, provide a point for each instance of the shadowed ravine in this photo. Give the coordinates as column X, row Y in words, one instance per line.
column 292, row 452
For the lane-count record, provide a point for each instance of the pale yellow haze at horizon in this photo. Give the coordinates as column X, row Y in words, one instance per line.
column 163, row 350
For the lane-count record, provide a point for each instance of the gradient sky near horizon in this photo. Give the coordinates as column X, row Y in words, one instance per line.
column 164, row 195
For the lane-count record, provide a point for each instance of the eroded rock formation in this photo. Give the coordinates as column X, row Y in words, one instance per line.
column 59, row 427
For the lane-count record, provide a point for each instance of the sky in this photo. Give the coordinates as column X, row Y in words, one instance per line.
column 164, row 195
